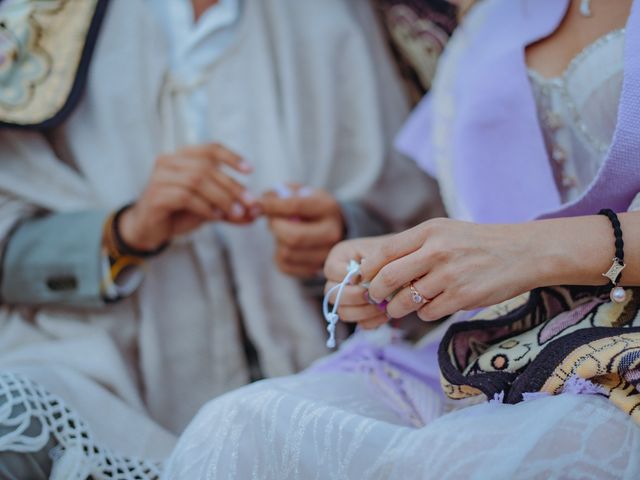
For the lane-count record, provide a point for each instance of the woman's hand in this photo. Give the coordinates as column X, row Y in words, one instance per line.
column 306, row 226
column 454, row 266
column 187, row 189
column 354, row 305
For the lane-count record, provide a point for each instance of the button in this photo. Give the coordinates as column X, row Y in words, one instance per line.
column 62, row 283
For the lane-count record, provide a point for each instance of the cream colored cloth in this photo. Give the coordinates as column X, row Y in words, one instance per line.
column 306, row 95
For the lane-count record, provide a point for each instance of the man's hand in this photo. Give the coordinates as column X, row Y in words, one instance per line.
column 306, row 225
column 187, row 189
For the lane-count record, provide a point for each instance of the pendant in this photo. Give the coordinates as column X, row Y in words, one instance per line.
column 618, row 295
column 585, row 8
column 614, row 271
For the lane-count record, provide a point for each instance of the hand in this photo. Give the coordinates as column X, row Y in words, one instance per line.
column 454, row 265
column 306, row 225
column 187, row 189
column 354, row 305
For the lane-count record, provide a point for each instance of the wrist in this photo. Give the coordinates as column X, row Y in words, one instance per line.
column 572, row 251
column 548, row 257
column 137, row 237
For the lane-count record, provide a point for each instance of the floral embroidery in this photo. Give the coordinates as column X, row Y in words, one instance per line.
column 42, row 45
column 24, row 63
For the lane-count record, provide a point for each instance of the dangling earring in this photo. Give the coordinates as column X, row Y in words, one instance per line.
column 585, row 8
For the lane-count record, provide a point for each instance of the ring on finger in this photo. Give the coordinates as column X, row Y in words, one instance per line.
column 416, row 296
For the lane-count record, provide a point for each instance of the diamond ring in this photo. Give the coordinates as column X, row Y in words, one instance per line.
column 416, row 296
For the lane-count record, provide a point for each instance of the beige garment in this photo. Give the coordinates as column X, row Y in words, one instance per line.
column 304, row 94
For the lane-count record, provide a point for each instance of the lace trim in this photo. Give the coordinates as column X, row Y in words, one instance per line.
column 24, row 403
column 560, row 83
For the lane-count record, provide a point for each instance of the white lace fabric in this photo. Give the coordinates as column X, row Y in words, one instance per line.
column 578, row 112
column 25, row 404
column 331, row 426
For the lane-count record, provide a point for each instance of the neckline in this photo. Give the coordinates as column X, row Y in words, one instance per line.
column 571, row 66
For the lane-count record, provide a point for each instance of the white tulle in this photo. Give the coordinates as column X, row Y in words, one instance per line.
column 330, row 426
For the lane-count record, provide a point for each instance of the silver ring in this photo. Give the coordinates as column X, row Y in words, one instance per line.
column 416, row 296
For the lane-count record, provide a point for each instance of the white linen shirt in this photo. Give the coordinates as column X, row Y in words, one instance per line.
column 193, row 47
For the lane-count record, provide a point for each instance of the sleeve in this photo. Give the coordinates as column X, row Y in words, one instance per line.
column 56, row 259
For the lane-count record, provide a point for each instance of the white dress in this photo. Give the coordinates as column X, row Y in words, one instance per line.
column 343, row 425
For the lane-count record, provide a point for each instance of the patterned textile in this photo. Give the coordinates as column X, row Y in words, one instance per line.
column 45, row 48
column 417, row 31
column 541, row 341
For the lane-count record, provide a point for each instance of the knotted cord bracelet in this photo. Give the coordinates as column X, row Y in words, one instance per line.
column 614, row 274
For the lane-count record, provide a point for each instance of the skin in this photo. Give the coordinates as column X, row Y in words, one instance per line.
column 306, row 227
column 463, row 266
column 191, row 187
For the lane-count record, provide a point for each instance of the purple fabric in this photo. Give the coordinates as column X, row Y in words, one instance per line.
column 500, row 166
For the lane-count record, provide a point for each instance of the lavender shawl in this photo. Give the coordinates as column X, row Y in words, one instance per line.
column 478, row 131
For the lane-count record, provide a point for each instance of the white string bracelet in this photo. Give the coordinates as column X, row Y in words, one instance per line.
column 332, row 316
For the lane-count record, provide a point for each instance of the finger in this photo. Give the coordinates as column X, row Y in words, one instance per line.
column 233, row 187
column 311, row 206
column 358, row 314
column 335, row 270
column 218, row 153
column 297, row 235
column 351, row 295
column 176, row 198
column 197, row 167
column 374, row 323
column 191, row 175
column 404, row 303
column 394, row 247
column 442, row 306
column 312, row 257
column 398, row 273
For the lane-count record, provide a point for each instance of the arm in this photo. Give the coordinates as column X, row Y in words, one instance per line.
column 59, row 259
column 462, row 266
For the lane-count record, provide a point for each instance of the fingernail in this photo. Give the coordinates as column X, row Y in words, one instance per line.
column 283, row 191
column 237, row 210
column 248, row 198
column 244, row 165
column 375, row 302
column 382, row 306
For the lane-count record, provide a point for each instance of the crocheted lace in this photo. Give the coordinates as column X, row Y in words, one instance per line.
column 24, row 405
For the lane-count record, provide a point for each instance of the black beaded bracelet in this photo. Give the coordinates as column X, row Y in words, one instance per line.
column 126, row 249
column 614, row 274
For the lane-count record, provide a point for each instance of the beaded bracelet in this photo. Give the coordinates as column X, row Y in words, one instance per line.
column 614, row 274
